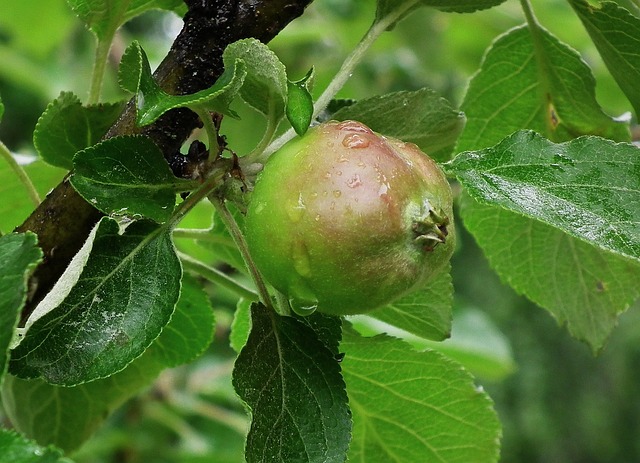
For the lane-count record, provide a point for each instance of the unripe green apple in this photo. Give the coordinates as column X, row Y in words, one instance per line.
column 344, row 220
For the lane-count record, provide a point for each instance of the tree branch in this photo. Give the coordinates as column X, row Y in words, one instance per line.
column 64, row 220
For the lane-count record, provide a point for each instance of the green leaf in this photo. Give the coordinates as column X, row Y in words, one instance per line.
column 152, row 102
column 541, row 85
column 478, row 345
column 616, row 34
column 421, row 117
column 300, row 103
column 265, row 86
column 191, row 328
column 123, row 297
column 127, row 175
column 17, row 449
column 328, row 328
column 387, row 7
column 414, row 406
column 425, row 312
column 292, row 383
column 461, row 6
column 134, row 70
column 1, row 109
column 68, row 416
column 573, row 280
column 241, row 325
column 221, row 244
column 67, row 127
column 588, row 187
column 475, row 342
column 104, row 19
column 579, row 284
column 20, row 255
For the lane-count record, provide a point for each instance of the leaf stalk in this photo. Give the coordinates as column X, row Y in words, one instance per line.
column 20, row 173
column 346, row 70
column 238, row 238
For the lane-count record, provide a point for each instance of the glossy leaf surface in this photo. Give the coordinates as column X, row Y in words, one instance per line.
column 291, row 381
column 123, row 298
column 67, row 416
column 547, row 88
column 127, row 176
column 588, row 188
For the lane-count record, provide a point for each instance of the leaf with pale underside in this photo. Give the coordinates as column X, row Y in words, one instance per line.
column 104, row 18
column 123, row 295
column 68, row 416
column 390, row 7
column 265, row 85
column 152, row 102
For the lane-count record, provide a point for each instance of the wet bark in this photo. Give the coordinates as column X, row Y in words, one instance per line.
column 63, row 220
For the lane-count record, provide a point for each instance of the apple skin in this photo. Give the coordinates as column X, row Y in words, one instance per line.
column 343, row 220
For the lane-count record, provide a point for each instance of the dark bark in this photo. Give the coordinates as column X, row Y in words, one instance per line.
column 64, row 220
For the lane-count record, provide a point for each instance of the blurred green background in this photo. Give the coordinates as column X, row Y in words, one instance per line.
column 556, row 401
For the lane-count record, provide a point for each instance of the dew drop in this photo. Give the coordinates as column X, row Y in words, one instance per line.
column 337, row 193
column 354, row 182
column 301, row 262
column 355, row 141
column 295, row 210
column 303, row 308
column 354, row 126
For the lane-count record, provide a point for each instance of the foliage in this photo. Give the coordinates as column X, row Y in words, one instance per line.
column 548, row 192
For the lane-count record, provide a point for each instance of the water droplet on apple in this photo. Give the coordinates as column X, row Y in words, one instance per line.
column 355, row 141
column 301, row 262
column 354, row 126
column 295, row 210
column 354, row 181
